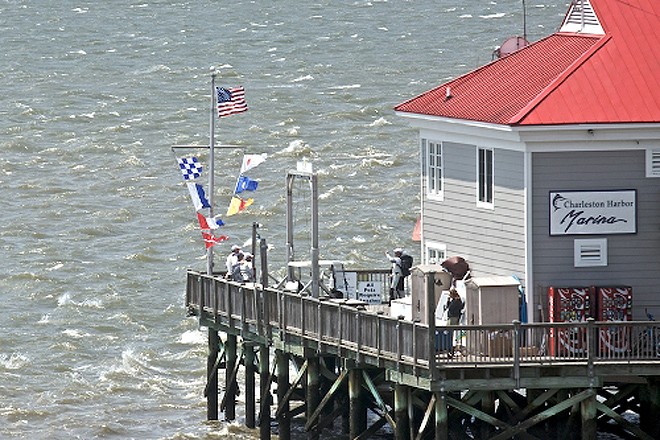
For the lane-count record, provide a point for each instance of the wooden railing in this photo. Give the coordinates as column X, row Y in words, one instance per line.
column 333, row 327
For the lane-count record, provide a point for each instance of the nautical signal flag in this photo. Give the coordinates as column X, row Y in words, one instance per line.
column 209, row 222
column 198, row 196
column 210, row 240
column 252, row 160
column 237, row 205
column 231, row 101
column 245, row 184
column 191, row 168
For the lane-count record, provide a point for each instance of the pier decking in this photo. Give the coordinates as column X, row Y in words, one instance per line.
column 502, row 381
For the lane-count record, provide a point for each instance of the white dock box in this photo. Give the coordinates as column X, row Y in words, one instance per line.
column 492, row 300
column 421, row 275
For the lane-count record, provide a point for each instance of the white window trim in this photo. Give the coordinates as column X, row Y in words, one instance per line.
column 598, row 246
column 481, row 204
column 434, row 195
column 433, row 245
column 651, row 170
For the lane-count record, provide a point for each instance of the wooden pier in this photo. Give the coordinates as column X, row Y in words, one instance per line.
column 329, row 364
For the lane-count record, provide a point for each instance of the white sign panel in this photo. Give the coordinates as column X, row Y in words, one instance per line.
column 593, row 212
column 370, row 292
column 347, row 284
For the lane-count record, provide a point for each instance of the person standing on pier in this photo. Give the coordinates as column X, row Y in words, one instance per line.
column 232, row 259
column 454, row 309
column 401, row 263
column 247, row 268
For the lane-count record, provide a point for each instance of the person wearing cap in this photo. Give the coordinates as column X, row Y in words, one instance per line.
column 396, row 282
column 232, row 259
column 236, row 274
column 247, row 268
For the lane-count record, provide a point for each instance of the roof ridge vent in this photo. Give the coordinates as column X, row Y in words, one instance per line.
column 581, row 18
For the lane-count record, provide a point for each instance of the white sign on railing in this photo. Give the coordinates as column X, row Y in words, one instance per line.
column 593, row 212
column 369, row 292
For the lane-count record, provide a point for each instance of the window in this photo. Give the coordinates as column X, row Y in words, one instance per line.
column 436, row 253
column 652, row 163
column 485, row 176
column 590, row 252
column 434, row 185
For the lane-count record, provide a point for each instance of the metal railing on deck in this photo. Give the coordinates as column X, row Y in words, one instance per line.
column 333, row 326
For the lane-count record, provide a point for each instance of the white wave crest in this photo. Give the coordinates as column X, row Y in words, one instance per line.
column 192, row 337
column 380, row 122
column 303, row 78
column 14, row 362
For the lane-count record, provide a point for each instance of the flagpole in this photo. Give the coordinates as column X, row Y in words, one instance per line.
column 209, row 251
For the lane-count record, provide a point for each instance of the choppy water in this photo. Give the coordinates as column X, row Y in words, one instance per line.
column 97, row 228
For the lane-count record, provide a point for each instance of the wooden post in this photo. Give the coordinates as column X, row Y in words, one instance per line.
column 441, row 417
column 283, row 419
column 589, row 422
column 230, row 383
column 249, row 385
column 402, row 429
column 212, row 376
column 264, row 385
column 649, row 407
column 487, row 406
column 312, row 395
column 358, row 416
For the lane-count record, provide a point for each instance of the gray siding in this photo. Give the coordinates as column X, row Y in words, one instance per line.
column 633, row 260
column 492, row 240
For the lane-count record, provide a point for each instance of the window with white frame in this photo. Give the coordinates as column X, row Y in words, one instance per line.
column 436, row 253
column 485, row 176
column 434, row 175
column 653, row 163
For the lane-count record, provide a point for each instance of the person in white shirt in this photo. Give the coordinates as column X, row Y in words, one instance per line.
column 247, row 268
column 232, row 259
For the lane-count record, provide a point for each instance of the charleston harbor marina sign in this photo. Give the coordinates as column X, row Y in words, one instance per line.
column 593, row 212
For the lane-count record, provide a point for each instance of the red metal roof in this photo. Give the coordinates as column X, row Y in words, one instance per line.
column 566, row 78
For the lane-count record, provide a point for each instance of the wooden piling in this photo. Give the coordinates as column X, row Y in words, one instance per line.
column 264, row 385
column 312, row 393
column 402, row 428
column 230, row 381
column 250, row 409
column 357, row 404
column 441, row 417
column 649, row 407
column 589, row 422
column 488, row 407
column 283, row 418
column 212, row 376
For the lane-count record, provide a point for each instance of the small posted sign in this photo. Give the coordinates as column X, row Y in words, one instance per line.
column 370, row 291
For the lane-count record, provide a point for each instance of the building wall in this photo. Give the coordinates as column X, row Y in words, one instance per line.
column 491, row 240
column 633, row 260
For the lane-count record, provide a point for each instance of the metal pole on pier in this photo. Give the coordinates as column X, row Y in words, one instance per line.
column 214, row 340
column 209, row 251
column 305, row 172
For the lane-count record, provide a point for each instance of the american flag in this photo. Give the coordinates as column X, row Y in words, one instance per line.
column 231, row 101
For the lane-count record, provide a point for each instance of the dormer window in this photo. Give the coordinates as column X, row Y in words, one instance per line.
column 582, row 19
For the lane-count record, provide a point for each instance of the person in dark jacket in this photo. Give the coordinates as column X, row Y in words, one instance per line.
column 454, row 309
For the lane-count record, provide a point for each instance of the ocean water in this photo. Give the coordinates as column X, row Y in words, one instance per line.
column 97, row 225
